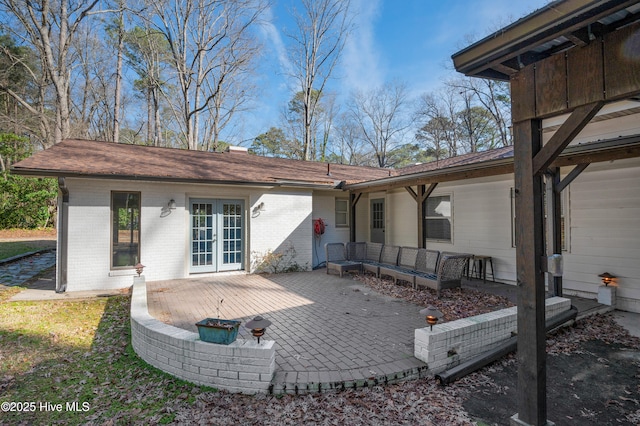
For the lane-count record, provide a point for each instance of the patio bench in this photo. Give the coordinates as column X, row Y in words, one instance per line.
column 405, row 268
column 337, row 260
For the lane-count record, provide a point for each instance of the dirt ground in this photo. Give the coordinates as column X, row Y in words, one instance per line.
column 592, row 382
column 41, row 238
column 593, row 378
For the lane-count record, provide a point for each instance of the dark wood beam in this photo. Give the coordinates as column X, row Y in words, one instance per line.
column 532, row 369
column 574, row 173
column 555, row 226
column 353, row 201
column 421, row 198
column 420, row 215
column 411, row 192
column 428, row 192
column 565, row 134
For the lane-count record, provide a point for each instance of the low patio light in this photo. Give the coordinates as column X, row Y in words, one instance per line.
column 607, row 278
column 258, row 326
column 172, row 204
column 432, row 315
column 139, row 267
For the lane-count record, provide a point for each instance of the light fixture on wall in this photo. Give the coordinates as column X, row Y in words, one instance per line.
column 166, row 210
column 607, row 278
column 432, row 315
column 257, row 210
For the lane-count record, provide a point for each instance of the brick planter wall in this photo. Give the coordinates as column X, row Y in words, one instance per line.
column 454, row 342
column 243, row 366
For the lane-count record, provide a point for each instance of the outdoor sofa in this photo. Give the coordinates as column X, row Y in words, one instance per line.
column 418, row 266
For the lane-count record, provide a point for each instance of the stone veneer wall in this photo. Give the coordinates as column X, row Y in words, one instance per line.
column 243, row 366
column 454, row 342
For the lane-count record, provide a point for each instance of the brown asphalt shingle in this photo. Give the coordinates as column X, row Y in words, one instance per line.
column 73, row 157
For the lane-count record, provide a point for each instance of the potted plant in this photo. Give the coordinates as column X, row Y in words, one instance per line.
column 217, row 330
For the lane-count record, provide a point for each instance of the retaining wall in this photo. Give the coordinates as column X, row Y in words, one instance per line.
column 451, row 343
column 243, row 366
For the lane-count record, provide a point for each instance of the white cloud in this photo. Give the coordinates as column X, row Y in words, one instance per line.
column 361, row 59
column 274, row 39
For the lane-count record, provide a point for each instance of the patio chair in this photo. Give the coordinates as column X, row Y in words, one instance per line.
column 427, row 261
column 337, row 259
column 371, row 262
column 451, row 269
column 356, row 251
column 388, row 259
column 405, row 270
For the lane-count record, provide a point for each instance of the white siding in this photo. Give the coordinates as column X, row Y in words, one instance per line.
column 605, row 231
column 481, row 221
column 164, row 241
column 324, row 208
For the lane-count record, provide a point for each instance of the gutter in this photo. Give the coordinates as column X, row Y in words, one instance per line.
column 622, row 147
column 63, row 232
column 275, row 183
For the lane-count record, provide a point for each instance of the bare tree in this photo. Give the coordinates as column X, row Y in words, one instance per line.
column 438, row 113
column 321, row 31
column 494, row 97
column 49, row 26
column 211, row 44
column 382, row 119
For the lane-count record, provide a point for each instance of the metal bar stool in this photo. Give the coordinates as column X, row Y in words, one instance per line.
column 480, row 262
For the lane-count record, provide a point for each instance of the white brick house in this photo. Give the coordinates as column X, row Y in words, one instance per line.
column 257, row 205
column 182, row 213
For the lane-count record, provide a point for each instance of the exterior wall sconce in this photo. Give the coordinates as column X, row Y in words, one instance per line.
column 139, row 267
column 258, row 326
column 172, row 204
column 432, row 315
column 607, row 278
column 257, row 210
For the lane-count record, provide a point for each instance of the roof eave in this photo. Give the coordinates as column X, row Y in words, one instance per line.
column 547, row 23
column 278, row 183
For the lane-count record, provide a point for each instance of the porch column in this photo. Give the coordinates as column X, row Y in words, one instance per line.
column 554, row 225
column 532, row 369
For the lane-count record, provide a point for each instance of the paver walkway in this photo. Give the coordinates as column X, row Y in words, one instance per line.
column 18, row 271
column 329, row 332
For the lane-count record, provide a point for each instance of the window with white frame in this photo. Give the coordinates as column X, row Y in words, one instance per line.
column 342, row 212
column 438, row 224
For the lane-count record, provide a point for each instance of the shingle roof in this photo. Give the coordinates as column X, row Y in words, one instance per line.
column 74, row 157
column 460, row 160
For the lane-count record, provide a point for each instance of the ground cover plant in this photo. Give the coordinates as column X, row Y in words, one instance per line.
column 79, row 352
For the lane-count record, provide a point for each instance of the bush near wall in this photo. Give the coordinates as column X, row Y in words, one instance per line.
column 26, row 202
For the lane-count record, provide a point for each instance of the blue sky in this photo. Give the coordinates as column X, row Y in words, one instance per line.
column 407, row 40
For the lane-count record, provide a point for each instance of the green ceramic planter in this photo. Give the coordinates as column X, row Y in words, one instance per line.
column 220, row 331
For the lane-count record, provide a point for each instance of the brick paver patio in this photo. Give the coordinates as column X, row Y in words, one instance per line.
column 329, row 331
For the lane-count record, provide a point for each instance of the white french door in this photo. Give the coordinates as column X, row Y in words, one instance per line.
column 217, row 235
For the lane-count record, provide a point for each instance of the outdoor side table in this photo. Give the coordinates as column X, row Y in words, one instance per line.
column 480, row 267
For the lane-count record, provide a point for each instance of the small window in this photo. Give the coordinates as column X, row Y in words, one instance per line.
column 342, row 212
column 125, row 229
column 438, row 224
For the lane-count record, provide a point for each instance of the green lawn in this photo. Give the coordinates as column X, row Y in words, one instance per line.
column 13, row 248
column 73, row 362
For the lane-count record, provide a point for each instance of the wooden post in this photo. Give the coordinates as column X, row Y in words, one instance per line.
column 353, row 201
column 532, row 385
column 555, row 230
column 420, row 200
